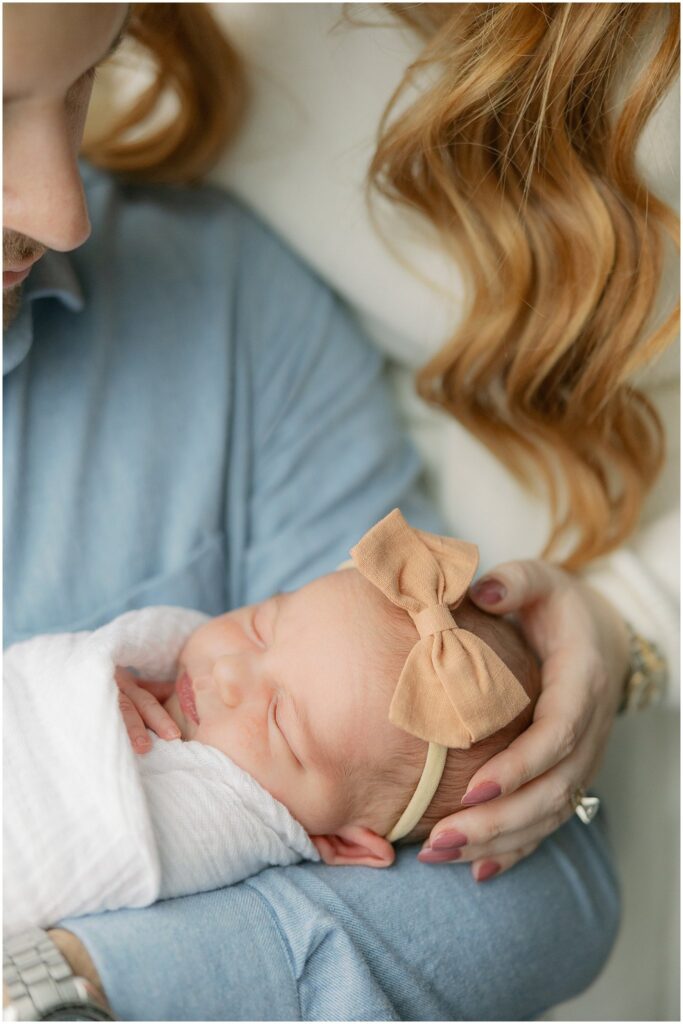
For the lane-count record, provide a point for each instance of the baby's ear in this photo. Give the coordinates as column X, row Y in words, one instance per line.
column 355, row 844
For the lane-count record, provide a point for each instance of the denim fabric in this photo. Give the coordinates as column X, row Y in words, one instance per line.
column 413, row 942
column 192, row 418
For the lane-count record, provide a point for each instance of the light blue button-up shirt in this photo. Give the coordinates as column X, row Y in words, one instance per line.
column 192, row 418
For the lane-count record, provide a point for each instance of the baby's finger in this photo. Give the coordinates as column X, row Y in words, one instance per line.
column 135, row 728
column 152, row 713
column 161, row 690
column 482, row 870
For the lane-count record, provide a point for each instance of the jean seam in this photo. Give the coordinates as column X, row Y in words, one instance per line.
column 283, row 939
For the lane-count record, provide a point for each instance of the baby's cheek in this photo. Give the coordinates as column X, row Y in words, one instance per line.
column 242, row 737
column 317, row 803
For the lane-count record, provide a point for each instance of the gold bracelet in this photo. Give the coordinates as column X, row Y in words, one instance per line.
column 648, row 673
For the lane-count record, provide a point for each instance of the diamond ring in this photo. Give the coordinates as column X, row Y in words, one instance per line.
column 585, row 807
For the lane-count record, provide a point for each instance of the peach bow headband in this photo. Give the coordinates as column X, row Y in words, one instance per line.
column 453, row 690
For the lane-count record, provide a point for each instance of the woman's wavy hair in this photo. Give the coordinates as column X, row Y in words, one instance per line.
column 513, row 152
column 510, row 147
column 194, row 62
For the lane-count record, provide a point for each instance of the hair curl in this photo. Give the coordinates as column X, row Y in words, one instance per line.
column 196, row 63
column 511, row 150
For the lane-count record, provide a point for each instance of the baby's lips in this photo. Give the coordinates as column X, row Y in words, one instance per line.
column 186, row 698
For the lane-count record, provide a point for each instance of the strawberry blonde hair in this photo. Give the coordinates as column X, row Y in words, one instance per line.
column 194, row 62
column 511, row 149
column 513, row 153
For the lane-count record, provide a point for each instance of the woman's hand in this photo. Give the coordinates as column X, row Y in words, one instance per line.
column 583, row 645
column 140, row 704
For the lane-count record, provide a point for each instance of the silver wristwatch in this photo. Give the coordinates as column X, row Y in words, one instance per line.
column 41, row 985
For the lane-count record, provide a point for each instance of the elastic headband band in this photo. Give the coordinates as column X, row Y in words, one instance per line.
column 453, row 689
column 429, row 780
column 422, row 797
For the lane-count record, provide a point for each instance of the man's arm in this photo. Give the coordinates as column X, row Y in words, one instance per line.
column 330, row 457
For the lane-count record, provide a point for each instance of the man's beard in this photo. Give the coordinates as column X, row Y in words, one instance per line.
column 16, row 248
column 11, row 304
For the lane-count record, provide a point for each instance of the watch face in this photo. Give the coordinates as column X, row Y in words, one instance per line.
column 77, row 1011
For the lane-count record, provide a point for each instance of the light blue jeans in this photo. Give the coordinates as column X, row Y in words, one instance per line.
column 312, row 942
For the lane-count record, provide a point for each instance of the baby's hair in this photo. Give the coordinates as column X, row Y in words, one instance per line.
column 394, row 781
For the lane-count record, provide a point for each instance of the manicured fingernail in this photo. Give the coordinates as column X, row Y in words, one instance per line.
column 429, row 856
column 141, row 743
column 481, row 793
column 449, row 839
column 489, row 590
column 172, row 733
column 488, row 869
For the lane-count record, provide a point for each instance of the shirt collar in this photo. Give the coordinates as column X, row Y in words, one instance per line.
column 53, row 277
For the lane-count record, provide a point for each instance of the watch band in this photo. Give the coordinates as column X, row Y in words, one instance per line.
column 648, row 673
column 41, row 984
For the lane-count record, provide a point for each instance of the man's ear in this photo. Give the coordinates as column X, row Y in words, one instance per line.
column 355, row 844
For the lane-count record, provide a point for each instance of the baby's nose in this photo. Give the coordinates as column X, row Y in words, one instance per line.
column 235, row 680
column 229, row 682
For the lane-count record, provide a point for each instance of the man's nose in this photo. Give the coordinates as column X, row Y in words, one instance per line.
column 43, row 195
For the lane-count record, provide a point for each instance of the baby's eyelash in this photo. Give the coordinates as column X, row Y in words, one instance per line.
column 277, row 724
column 283, row 734
column 254, row 630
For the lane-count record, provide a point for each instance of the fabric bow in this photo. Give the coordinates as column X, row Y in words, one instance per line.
column 453, row 690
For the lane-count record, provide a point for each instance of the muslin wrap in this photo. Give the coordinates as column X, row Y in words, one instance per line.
column 88, row 824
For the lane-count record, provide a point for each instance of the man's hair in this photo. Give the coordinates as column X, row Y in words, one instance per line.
column 394, row 781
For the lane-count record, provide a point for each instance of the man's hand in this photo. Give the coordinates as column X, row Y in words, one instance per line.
column 527, row 791
column 141, row 707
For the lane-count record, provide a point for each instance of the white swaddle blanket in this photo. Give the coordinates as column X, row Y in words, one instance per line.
column 88, row 824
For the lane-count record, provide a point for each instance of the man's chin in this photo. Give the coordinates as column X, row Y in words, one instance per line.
column 11, row 304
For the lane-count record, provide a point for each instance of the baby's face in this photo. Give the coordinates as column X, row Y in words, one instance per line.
column 293, row 690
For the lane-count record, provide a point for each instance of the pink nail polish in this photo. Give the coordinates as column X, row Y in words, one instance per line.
column 449, row 839
column 488, row 869
column 488, row 590
column 481, row 793
column 429, row 856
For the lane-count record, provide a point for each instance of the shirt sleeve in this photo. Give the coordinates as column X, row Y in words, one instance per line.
column 329, row 456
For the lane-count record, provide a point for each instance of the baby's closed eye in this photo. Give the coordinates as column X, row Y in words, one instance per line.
column 276, row 704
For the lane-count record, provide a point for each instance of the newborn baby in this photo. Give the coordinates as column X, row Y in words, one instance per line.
column 297, row 739
column 296, row 690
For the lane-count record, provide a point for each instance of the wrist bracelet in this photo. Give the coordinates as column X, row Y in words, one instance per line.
column 647, row 676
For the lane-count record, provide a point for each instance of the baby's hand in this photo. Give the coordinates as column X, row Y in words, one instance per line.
column 140, row 705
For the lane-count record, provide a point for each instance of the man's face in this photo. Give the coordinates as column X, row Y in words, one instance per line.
column 49, row 55
column 292, row 690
